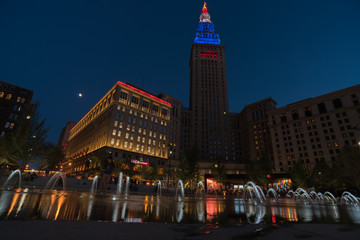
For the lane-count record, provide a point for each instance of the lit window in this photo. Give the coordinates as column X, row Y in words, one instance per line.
column 2, row 94
column 114, row 132
column 12, row 125
column 127, row 135
column 7, row 124
column 142, row 148
column 137, row 147
column 131, row 146
column 125, row 144
column 112, row 142
column 8, row 97
column 117, row 142
column 138, row 138
column 115, row 123
column 119, row 133
column 132, row 136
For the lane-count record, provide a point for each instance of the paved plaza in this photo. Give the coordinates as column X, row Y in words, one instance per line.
column 70, row 230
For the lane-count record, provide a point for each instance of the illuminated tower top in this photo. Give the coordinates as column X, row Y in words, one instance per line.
column 205, row 32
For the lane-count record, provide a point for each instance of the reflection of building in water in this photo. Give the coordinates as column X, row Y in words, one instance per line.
column 214, row 208
column 287, row 213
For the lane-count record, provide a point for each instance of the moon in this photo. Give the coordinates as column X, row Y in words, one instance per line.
column 80, row 94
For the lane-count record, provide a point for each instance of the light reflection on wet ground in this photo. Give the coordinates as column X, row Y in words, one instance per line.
column 58, row 205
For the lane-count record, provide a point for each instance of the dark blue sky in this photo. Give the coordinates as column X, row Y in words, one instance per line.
column 290, row 50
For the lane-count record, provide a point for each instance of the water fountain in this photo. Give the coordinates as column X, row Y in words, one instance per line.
column 272, row 192
column 211, row 187
column 255, row 206
column 94, row 185
column 158, row 191
column 348, row 198
column 11, row 176
column 200, row 191
column 119, row 185
column 54, row 179
column 181, row 196
column 127, row 186
column 252, row 189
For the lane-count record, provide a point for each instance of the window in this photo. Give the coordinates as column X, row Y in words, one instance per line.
column 155, row 108
column 295, row 115
column 321, row 108
column 337, row 104
column 8, row 96
column 134, row 100
column 123, row 95
column 164, row 112
column 145, row 104
column 307, row 111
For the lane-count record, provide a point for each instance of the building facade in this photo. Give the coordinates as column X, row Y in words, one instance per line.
column 128, row 123
column 64, row 136
column 15, row 106
column 255, row 140
column 208, row 93
column 315, row 129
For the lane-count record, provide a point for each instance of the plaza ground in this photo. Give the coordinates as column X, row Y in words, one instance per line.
column 71, row 230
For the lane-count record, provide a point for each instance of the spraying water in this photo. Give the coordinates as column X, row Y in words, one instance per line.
column 54, row 179
column 94, row 185
column 11, row 176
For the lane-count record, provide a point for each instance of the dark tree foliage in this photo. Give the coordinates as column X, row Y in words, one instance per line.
column 27, row 142
column 54, row 157
column 298, row 175
column 188, row 168
column 259, row 169
column 150, row 172
column 218, row 170
column 324, row 177
column 347, row 167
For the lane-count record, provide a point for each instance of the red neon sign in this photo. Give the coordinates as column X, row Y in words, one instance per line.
column 207, row 54
column 137, row 162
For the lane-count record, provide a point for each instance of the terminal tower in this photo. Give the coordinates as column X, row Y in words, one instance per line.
column 208, row 93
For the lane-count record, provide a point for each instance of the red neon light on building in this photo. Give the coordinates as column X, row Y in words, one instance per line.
column 144, row 93
column 207, row 54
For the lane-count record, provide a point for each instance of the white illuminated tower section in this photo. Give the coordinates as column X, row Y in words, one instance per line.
column 208, row 92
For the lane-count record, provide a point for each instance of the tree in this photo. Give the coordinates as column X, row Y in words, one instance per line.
column 218, row 170
column 347, row 166
column 150, row 172
column 188, row 168
column 298, row 175
column 54, row 157
column 323, row 177
column 27, row 142
column 259, row 169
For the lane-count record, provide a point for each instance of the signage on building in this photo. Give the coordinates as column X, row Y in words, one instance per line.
column 137, row 162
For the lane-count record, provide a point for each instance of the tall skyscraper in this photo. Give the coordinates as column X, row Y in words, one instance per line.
column 208, row 92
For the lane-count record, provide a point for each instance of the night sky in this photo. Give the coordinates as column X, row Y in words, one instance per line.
column 290, row 50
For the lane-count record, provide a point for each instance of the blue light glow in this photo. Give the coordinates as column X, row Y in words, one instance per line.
column 205, row 33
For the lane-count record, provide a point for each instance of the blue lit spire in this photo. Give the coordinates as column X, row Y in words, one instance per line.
column 205, row 32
